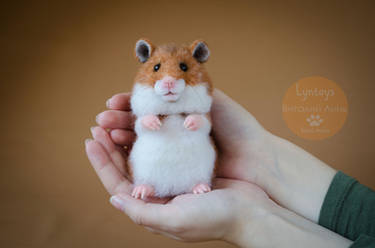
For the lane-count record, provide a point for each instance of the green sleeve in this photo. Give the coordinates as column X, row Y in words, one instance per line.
column 349, row 209
column 363, row 241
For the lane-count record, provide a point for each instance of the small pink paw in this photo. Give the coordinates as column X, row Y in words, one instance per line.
column 151, row 122
column 201, row 188
column 142, row 191
column 193, row 122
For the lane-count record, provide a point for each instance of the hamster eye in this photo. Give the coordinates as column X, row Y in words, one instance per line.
column 183, row 67
column 156, row 67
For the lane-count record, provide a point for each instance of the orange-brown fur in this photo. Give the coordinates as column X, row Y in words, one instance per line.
column 170, row 56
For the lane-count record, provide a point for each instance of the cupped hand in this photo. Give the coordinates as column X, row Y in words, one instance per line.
column 224, row 213
column 244, row 149
column 230, row 211
column 187, row 217
column 248, row 157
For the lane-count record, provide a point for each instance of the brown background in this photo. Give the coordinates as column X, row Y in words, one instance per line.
column 61, row 61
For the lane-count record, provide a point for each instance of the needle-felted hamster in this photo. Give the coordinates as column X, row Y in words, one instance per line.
column 171, row 99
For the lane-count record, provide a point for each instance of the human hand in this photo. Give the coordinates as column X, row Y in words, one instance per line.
column 291, row 176
column 109, row 149
column 235, row 211
column 246, row 151
column 244, row 147
column 221, row 208
column 224, row 213
column 255, row 154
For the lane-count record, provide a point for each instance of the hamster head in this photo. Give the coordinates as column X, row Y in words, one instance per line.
column 171, row 76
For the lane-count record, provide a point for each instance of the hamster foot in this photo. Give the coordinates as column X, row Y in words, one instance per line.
column 142, row 191
column 193, row 122
column 151, row 122
column 201, row 188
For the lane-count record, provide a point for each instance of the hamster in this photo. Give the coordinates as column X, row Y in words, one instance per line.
column 171, row 99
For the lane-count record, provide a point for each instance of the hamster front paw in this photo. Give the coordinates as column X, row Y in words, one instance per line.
column 201, row 188
column 193, row 122
column 142, row 191
column 151, row 122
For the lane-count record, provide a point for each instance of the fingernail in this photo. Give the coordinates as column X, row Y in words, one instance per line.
column 108, row 103
column 117, row 202
column 92, row 130
column 87, row 141
column 97, row 118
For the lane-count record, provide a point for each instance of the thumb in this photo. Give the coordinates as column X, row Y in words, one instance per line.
column 231, row 121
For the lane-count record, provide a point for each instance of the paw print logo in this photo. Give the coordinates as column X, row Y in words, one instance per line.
column 314, row 120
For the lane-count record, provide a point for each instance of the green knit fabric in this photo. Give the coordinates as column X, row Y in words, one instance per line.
column 363, row 241
column 349, row 210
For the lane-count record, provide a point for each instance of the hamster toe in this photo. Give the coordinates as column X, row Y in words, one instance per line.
column 201, row 188
column 142, row 191
column 151, row 122
column 193, row 122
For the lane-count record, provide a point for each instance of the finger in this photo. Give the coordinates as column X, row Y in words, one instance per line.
column 119, row 102
column 104, row 139
column 111, row 178
column 224, row 107
column 115, row 119
column 163, row 217
column 122, row 137
column 231, row 123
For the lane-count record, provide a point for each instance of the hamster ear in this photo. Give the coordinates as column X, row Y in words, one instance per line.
column 199, row 50
column 143, row 50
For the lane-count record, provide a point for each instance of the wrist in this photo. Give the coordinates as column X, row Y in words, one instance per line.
column 287, row 229
column 253, row 226
column 283, row 228
column 299, row 181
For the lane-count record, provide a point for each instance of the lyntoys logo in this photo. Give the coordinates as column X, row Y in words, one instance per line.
column 315, row 108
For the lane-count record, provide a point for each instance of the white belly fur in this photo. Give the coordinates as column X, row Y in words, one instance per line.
column 173, row 159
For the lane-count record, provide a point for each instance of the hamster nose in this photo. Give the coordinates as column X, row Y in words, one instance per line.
column 169, row 83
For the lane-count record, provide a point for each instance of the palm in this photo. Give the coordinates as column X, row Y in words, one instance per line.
column 241, row 141
column 243, row 150
column 223, row 191
column 215, row 208
column 109, row 162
